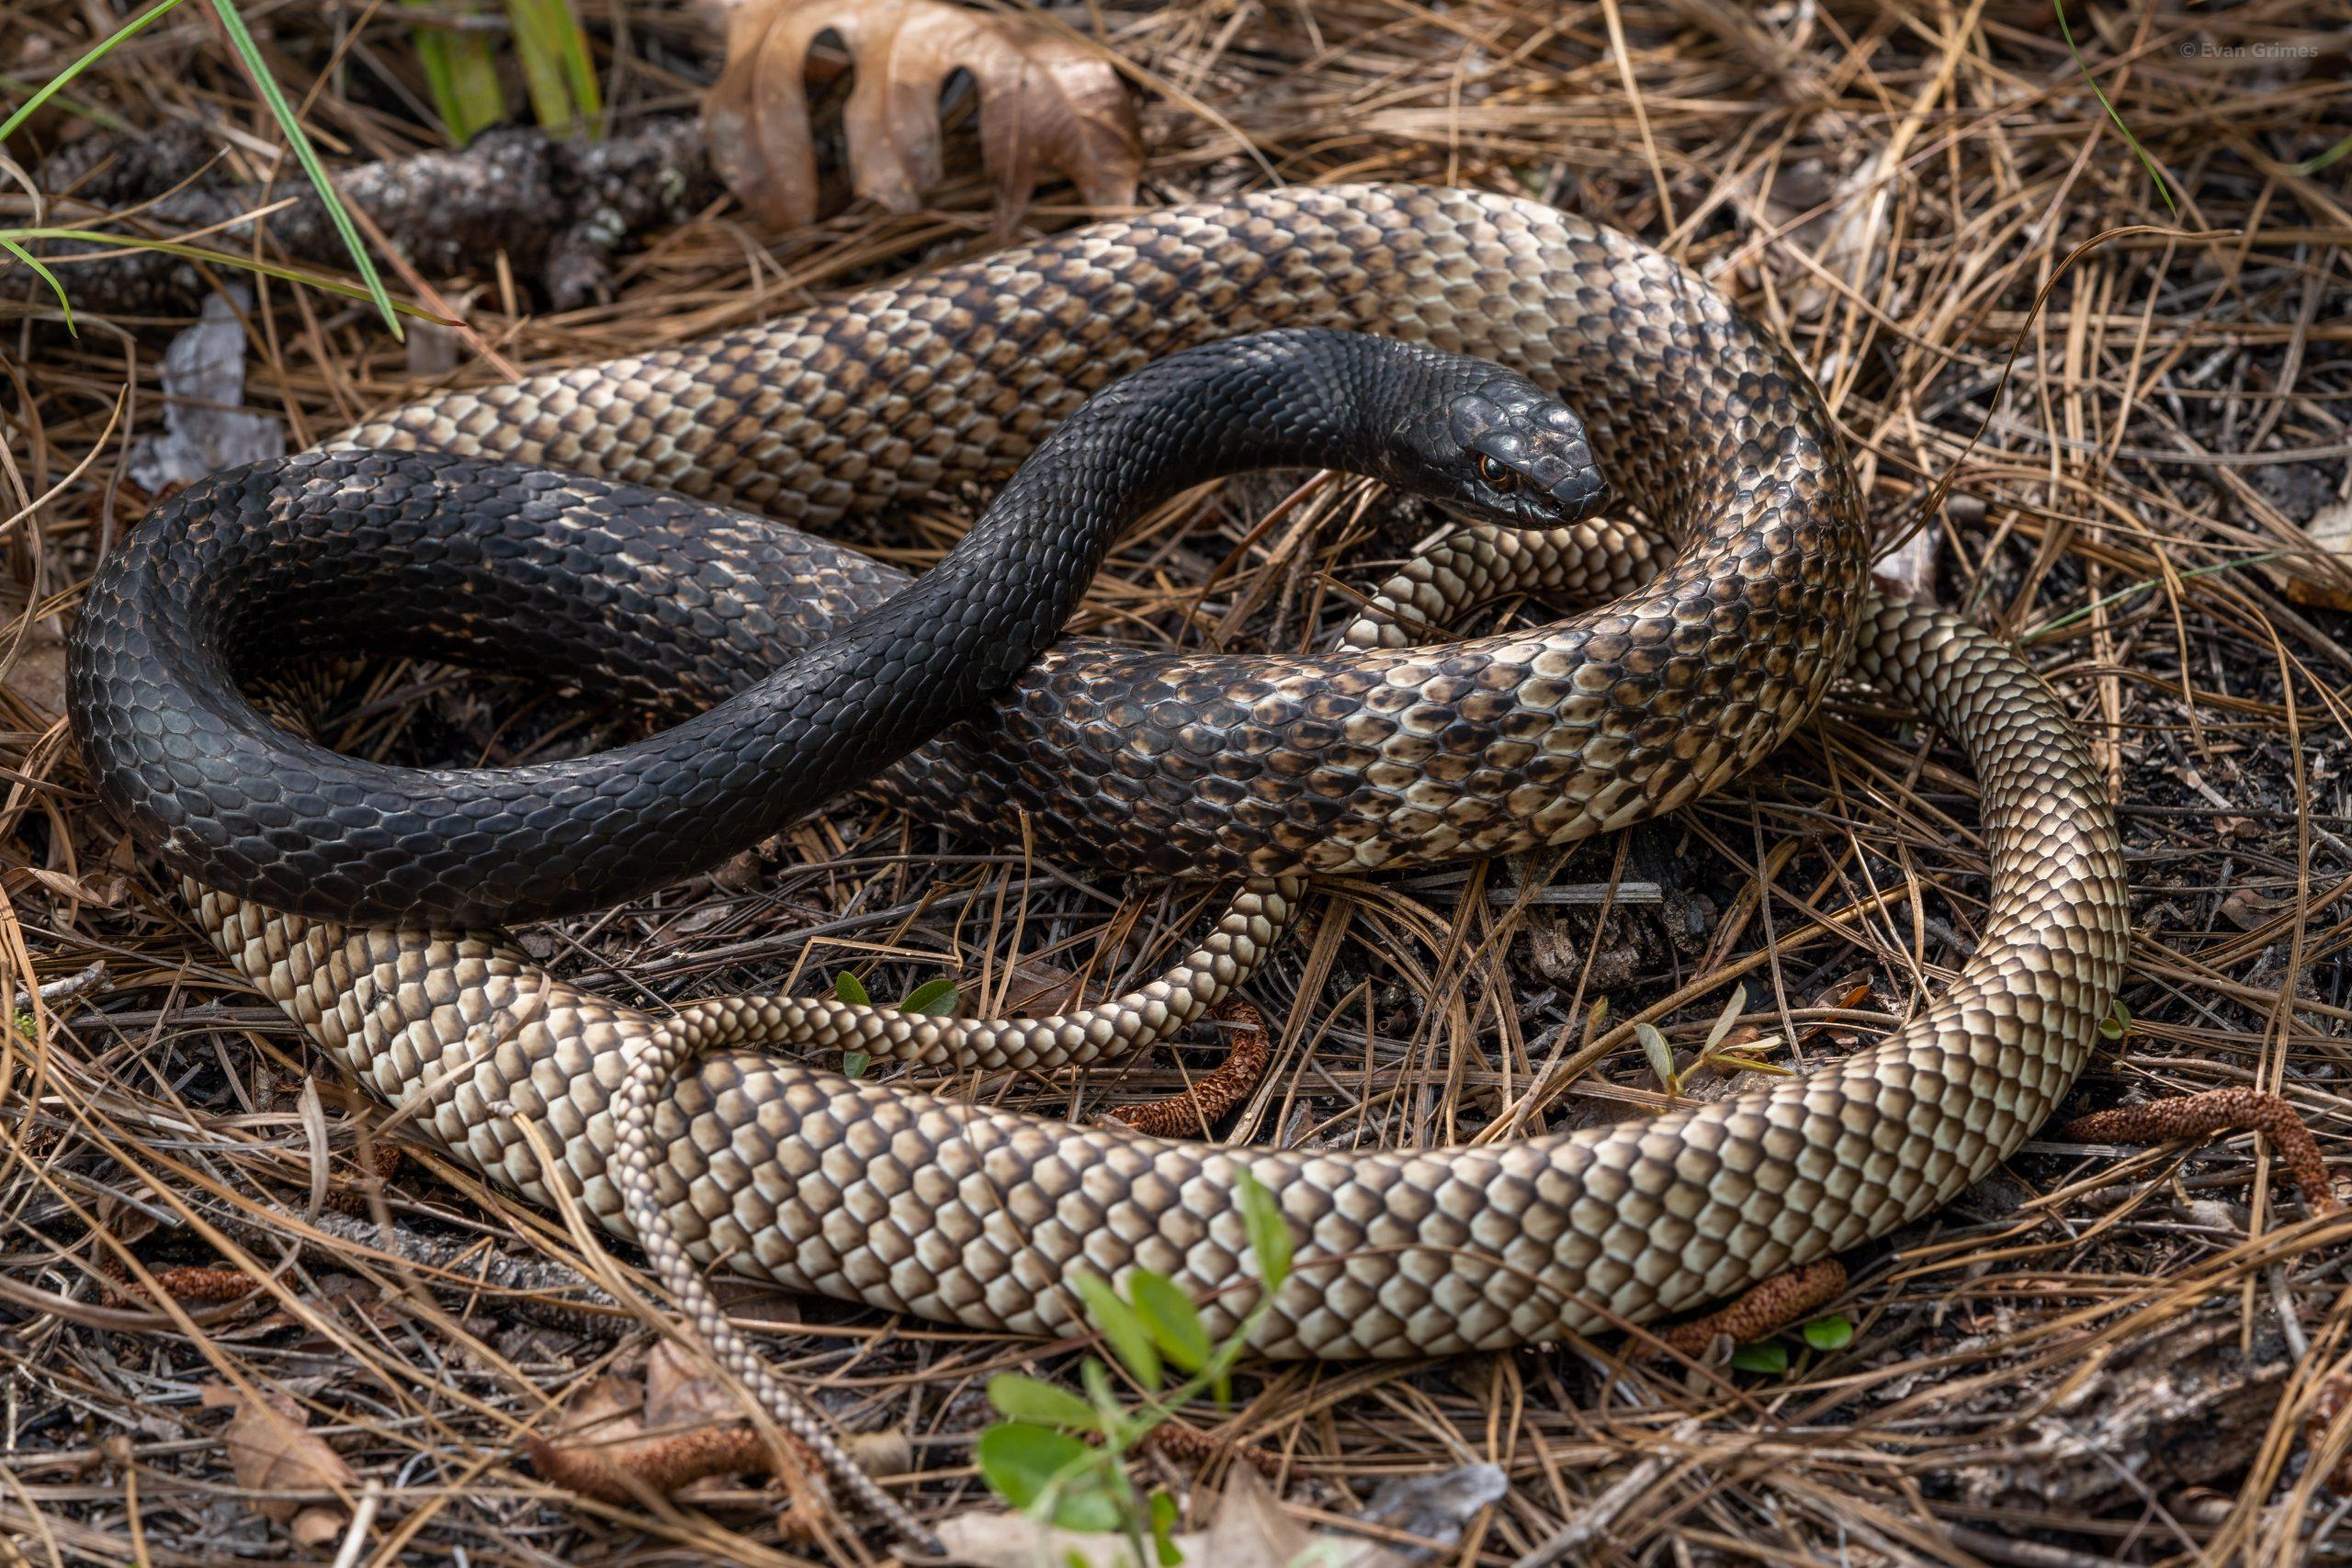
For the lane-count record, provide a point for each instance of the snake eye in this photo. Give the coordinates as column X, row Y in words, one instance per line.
column 1498, row 473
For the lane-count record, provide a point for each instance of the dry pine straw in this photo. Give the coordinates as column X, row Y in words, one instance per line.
column 2097, row 1357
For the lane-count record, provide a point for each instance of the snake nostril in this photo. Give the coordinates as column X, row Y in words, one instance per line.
column 1579, row 495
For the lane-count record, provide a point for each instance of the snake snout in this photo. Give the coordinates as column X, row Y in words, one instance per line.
column 1579, row 493
column 1529, row 458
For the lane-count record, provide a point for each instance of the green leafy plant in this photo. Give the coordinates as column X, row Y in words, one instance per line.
column 289, row 125
column 934, row 996
column 556, row 67
column 460, row 66
column 1739, row 1057
column 1039, row 1459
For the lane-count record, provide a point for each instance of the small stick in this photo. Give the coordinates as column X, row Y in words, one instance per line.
column 56, row 992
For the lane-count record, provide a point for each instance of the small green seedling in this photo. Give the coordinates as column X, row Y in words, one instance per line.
column 1038, row 1458
column 1832, row 1333
column 1661, row 1056
column 1742, row 1058
column 1770, row 1357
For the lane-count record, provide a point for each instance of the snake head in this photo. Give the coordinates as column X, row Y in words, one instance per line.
column 1524, row 456
column 1487, row 442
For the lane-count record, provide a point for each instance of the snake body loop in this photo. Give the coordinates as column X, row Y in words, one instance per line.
column 1258, row 766
column 446, row 554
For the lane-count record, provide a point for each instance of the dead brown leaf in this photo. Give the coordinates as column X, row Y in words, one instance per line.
column 681, row 1393
column 619, row 1439
column 1048, row 100
column 1039, row 989
column 274, row 1453
column 106, row 890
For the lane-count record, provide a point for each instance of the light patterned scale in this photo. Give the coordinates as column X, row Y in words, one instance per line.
column 1277, row 766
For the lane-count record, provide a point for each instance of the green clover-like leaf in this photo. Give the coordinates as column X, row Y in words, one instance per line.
column 1020, row 1461
column 1088, row 1502
column 1832, row 1333
column 934, row 996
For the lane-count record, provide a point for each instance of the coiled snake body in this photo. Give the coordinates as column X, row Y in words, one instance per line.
column 1271, row 765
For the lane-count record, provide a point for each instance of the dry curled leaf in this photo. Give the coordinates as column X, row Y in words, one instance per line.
column 274, row 1454
column 1048, row 100
column 1039, row 989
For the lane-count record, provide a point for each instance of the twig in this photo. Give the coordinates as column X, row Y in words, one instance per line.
column 55, row 991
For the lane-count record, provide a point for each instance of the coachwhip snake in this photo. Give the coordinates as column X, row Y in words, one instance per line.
column 1263, row 766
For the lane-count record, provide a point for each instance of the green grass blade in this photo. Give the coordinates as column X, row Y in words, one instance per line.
column 47, row 277
column 579, row 65
column 2071, row 617
column 67, row 102
column 97, row 52
column 2163, row 187
column 308, row 156
column 214, row 258
column 2313, row 166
